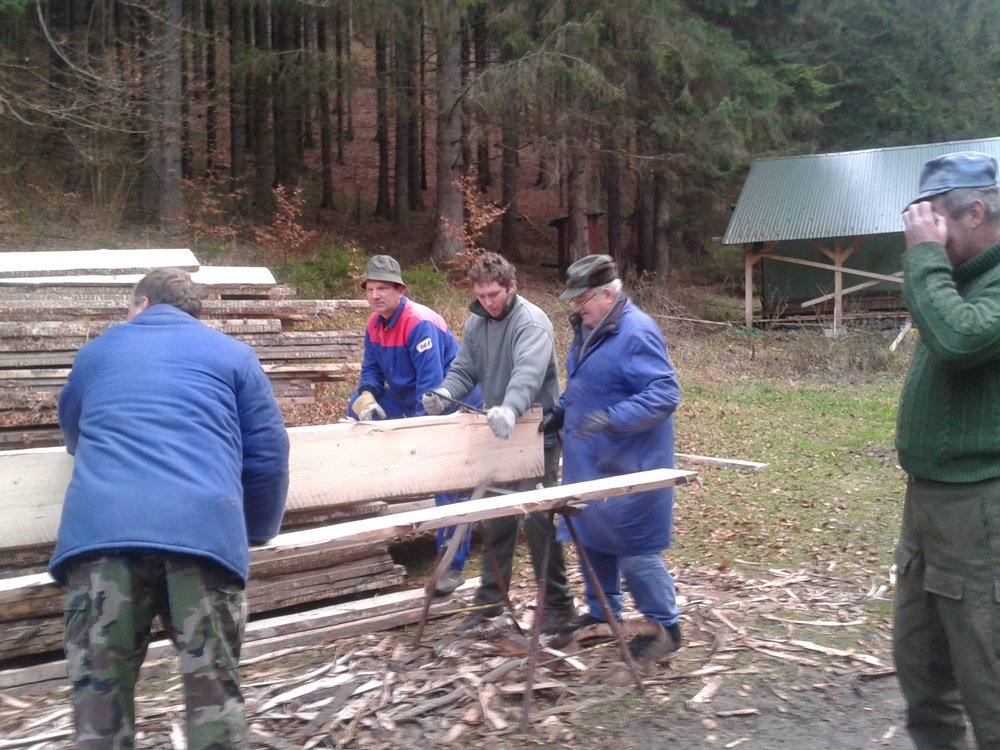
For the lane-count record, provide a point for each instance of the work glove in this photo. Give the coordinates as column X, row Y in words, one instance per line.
column 501, row 419
column 594, row 422
column 433, row 403
column 552, row 420
column 366, row 407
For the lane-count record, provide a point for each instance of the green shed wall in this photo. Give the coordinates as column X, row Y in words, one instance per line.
column 785, row 285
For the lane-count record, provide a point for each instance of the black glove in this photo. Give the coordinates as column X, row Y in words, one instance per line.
column 594, row 422
column 552, row 420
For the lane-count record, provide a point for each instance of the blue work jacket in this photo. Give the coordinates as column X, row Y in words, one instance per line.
column 623, row 368
column 406, row 356
column 178, row 441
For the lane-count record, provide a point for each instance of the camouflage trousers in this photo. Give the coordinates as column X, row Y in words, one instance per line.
column 110, row 604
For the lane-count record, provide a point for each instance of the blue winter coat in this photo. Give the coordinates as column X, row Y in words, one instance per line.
column 624, row 369
column 406, row 356
column 178, row 441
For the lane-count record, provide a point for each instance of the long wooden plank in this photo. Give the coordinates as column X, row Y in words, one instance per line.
column 542, row 499
column 331, row 465
column 284, row 309
column 62, row 262
column 92, row 328
column 729, row 463
column 207, row 275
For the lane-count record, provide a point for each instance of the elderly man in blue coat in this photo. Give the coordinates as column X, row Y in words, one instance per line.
column 616, row 415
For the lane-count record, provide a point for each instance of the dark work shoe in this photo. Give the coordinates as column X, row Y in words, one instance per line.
column 475, row 619
column 649, row 649
column 448, row 582
column 584, row 621
column 577, row 622
column 555, row 621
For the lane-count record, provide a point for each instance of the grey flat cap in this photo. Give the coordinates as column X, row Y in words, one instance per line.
column 964, row 169
column 589, row 272
column 383, row 268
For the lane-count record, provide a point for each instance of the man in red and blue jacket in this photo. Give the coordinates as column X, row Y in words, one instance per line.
column 408, row 349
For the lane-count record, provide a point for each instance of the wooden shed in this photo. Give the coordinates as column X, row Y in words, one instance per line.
column 822, row 227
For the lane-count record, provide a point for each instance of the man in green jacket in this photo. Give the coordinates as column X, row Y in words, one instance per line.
column 946, row 637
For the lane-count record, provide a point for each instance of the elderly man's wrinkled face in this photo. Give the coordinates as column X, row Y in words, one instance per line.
column 592, row 305
column 384, row 297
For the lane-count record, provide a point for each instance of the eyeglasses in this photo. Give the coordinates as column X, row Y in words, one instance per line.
column 576, row 303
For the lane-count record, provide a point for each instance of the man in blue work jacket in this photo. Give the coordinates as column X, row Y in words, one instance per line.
column 408, row 349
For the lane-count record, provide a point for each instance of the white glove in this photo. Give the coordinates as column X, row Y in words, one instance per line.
column 366, row 407
column 433, row 403
column 375, row 411
column 501, row 419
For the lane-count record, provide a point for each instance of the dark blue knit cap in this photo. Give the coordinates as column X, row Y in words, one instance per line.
column 964, row 169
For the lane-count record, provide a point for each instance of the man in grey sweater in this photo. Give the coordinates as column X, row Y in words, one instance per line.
column 508, row 349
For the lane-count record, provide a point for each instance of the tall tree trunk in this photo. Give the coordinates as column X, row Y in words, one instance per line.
column 422, row 71
column 211, row 127
column 509, row 175
column 450, row 211
column 260, row 110
column 287, row 97
column 340, row 82
column 237, row 97
column 661, row 224
column 403, row 90
column 189, row 91
column 325, row 126
column 464, row 65
column 643, row 254
column 151, row 118
column 611, row 182
column 578, row 205
column 383, row 205
column 480, row 52
column 171, row 206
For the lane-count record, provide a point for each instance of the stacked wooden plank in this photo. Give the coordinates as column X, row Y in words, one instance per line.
column 52, row 303
column 339, row 471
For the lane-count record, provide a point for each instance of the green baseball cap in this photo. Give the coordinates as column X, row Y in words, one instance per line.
column 383, row 268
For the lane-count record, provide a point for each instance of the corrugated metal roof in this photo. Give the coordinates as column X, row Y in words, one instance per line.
column 834, row 195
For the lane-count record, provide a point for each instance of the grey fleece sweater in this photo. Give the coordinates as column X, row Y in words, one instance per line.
column 512, row 358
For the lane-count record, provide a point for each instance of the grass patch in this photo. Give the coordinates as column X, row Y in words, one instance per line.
column 832, row 490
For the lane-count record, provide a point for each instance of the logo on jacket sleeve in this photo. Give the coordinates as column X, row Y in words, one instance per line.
column 425, row 345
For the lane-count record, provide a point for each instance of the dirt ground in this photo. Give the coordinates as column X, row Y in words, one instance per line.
column 795, row 659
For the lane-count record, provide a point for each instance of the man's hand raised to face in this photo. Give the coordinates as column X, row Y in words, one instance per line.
column 922, row 223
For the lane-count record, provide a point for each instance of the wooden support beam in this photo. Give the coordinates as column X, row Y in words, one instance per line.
column 830, row 267
column 897, row 277
column 331, row 466
column 62, row 262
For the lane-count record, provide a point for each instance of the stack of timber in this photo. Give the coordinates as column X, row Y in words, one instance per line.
column 53, row 302
column 340, row 471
